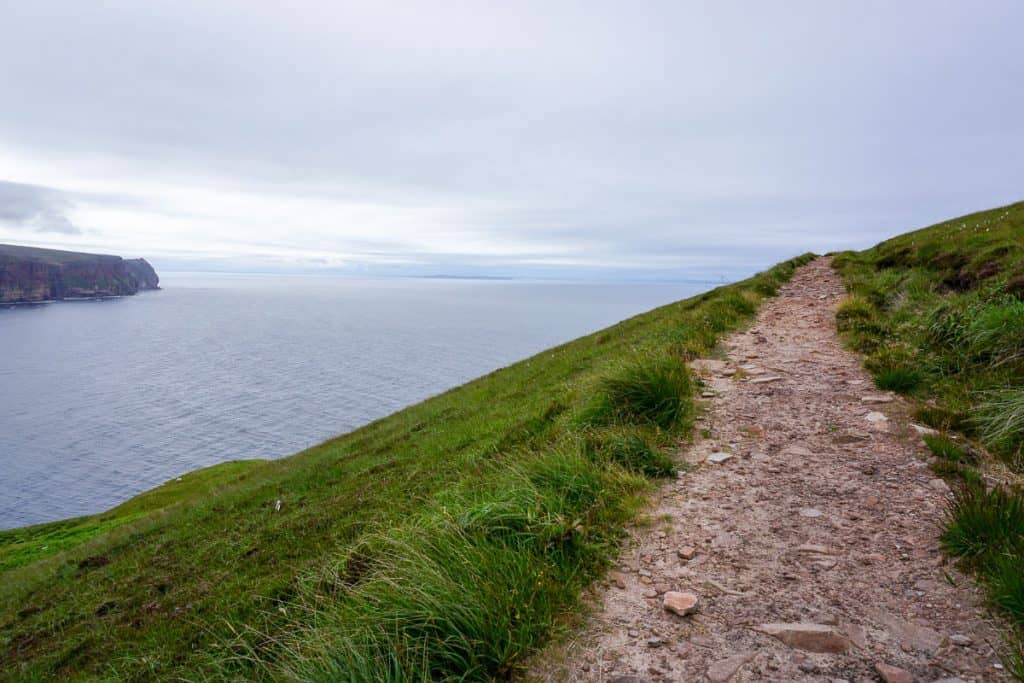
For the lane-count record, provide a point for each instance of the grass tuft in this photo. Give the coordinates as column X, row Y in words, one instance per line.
column 945, row 448
column 654, row 389
column 1000, row 421
column 902, row 380
column 1006, row 583
column 996, row 332
column 630, row 449
column 949, row 469
column 984, row 524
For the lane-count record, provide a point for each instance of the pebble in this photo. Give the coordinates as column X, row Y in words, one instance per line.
column 893, row 674
column 922, row 430
column 961, row 640
column 724, row 669
column 810, row 637
column 876, row 399
column 810, row 512
column 719, row 457
column 875, row 416
column 686, row 552
column 812, row 548
column 679, row 602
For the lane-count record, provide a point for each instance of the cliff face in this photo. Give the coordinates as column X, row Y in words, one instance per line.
column 144, row 275
column 28, row 274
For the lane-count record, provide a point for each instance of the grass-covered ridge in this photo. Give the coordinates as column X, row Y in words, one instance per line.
column 939, row 315
column 439, row 543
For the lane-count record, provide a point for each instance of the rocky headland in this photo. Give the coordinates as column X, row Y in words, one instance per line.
column 31, row 274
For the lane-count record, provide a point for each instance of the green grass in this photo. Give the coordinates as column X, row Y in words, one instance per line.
column 900, row 379
column 1000, row 421
column 985, row 523
column 654, row 390
column 943, row 447
column 986, row 528
column 443, row 542
column 939, row 315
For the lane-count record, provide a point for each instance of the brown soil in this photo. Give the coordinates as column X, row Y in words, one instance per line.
column 825, row 514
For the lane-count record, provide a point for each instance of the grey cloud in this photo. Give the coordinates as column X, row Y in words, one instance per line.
column 35, row 208
column 635, row 130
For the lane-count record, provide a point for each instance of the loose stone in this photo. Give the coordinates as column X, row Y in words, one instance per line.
column 810, row 637
column 765, row 380
column 679, row 602
column 893, row 674
column 686, row 552
column 724, row 669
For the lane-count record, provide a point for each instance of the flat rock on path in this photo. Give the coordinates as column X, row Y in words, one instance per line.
column 812, row 551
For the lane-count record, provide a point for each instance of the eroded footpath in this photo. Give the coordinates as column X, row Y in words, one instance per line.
column 807, row 529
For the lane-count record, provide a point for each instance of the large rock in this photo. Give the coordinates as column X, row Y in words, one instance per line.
column 678, row 602
column 810, row 637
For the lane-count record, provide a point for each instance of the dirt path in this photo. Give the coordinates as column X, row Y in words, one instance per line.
column 824, row 519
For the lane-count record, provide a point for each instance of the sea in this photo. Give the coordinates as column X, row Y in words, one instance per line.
column 101, row 400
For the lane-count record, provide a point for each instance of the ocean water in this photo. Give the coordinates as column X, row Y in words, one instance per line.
column 101, row 400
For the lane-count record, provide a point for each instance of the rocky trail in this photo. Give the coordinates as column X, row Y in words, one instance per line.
column 806, row 531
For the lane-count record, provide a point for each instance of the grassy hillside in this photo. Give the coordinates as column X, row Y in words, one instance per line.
column 440, row 543
column 53, row 256
column 939, row 315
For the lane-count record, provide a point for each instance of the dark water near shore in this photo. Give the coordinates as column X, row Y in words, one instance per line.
column 101, row 400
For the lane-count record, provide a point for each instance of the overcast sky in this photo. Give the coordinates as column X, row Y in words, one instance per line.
column 567, row 138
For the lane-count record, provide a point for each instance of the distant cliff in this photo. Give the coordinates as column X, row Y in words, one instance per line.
column 29, row 274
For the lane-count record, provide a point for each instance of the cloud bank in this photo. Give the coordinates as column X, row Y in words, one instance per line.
column 532, row 137
column 35, row 208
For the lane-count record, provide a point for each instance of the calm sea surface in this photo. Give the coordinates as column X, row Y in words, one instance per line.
column 101, row 400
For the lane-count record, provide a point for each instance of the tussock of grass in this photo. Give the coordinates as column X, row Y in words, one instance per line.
column 853, row 313
column 943, row 447
column 654, row 389
column 949, row 469
column 902, row 380
column 631, row 449
column 1006, row 583
column 1000, row 420
column 995, row 332
column 986, row 528
column 983, row 524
